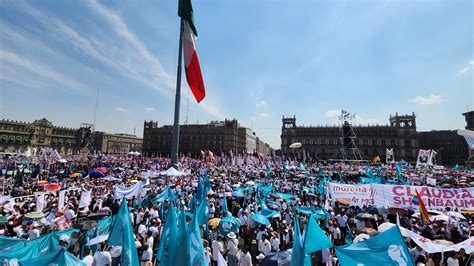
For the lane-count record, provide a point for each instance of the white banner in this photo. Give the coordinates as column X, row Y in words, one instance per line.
column 136, row 191
column 389, row 156
column 40, row 203
column 401, row 196
column 354, row 195
column 432, row 160
column 423, row 157
column 434, row 198
column 61, row 199
column 85, row 199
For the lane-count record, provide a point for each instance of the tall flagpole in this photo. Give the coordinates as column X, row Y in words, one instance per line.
column 175, row 138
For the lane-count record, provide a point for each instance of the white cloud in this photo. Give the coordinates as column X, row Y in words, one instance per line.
column 432, row 99
column 149, row 109
column 261, row 104
column 264, row 115
column 9, row 58
column 332, row 113
column 467, row 67
column 253, row 118
column 123, row 110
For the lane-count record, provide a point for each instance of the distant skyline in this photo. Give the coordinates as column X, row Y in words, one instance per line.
column 260, row 60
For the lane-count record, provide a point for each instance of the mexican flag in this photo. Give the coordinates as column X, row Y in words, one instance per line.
column 192, row 68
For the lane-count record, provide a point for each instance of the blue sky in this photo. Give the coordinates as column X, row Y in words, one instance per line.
column 260, row 60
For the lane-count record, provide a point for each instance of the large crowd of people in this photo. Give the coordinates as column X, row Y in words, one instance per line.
column 41, row 196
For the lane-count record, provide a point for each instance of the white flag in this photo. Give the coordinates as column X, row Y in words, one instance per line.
column 39, row 202
column 432, row 160
column 85, row 199
column 389, row 158
column 423, row 157
column 62, row 195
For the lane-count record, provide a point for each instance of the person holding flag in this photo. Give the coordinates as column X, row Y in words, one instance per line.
column 419, row 202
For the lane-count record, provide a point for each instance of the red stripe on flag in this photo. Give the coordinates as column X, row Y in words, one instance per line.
column 194, row 78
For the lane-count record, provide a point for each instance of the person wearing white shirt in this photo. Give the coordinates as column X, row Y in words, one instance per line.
column 147, row 255
column 243, row 219
column 275, row 242
column 88, row 259
column 102, row 258
column 217, row 246
column 245, row 258
column 264, row 246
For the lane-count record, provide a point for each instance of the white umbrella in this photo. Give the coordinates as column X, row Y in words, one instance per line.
column 172, row 172
column 97, row 240
column 385, row 226
column 456, row 215
column 296, row 145
column 440, row 217
column 360, row 238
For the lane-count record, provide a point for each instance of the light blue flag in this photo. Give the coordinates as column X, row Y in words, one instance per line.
column 386, row 248
column 285, row 169
column 315, row 239
column 349, row 237
column 202, row 213
column 167, row 248
column 225, row 211
column 268, row 170
column 207, row 184
column 166, row 194
column 298, row 256
column 455, row 169
column 399, row 173
column 302, row 168
column 121, row 234
column 196, row 249
column 368, row 172
column 60, row 257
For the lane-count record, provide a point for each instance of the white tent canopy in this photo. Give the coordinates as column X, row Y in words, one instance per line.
column 172, row 172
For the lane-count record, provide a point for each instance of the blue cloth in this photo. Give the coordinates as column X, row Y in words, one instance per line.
column 386, row 248
column 315, row 239
column 121, row 234
column 167, row 248
column 60, row 257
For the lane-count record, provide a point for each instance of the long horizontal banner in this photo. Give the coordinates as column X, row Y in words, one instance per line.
column 401, row 196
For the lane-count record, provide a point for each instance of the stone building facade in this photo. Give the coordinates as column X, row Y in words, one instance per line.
column 220, row 137
column 325, row 142
column 17, row 136
column 116, row 143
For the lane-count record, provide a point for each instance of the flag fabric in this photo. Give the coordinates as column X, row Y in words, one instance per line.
column 61, row 199
column 419, row 202
column 167, row 248
column 40, row 202
column 202, row 212
column 455, row 169
column 85, row 198
column 121, row 234
column 225, row 210
column 349, row 236
column 298, row 251
column 369, row 173
column 389, row 157
column 398, row 170
column 315, row 238
column 386, row 248
column 60, row 257
column 423, row 157
column 192, row 67
column 432, row 159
